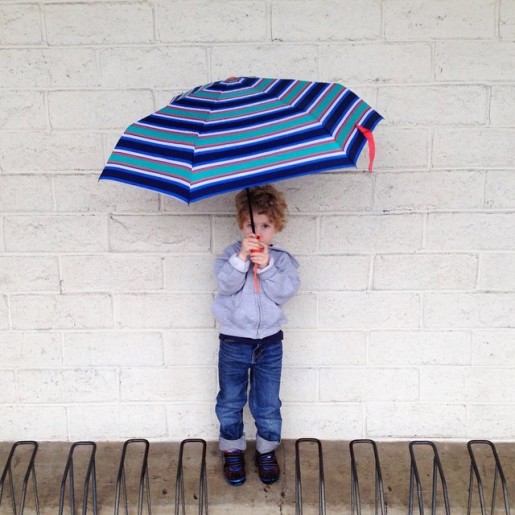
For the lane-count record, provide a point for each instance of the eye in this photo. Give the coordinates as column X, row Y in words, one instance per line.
column 266, row 226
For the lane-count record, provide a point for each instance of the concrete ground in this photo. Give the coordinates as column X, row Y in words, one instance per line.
column 253, row 497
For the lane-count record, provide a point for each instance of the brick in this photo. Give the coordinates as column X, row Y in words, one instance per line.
column 7, row 387
column 460, row 19
column 299, row 235
column 474, row 61
column 41, row 423
column 98, row 109
column 223, row 204
column 55, row 233
column 149, row 67
column 368, row 310
column 368, row 384
column 507, row 20
column 23, row 110
column 301, row 311
column 497, row 272
column 398, row 148
column 433, row 105
column 264, row 60
column 61, row 386
column 218, row 22
column 168, row 384
column 109, row 349
column 419, row 348
column 474, row 231
column 326, row 21
column 500, row 189
column 189, row 273
column 89, row 311
column 48, row 68
column 105, row 22
column 324, row 348
column 323, row 420
column 469, row 310
column 502, row 105
column 489, row 148
column 428, row 191
column 425, row 272
column 114, row 422
column 162, row 233
column 55, row 151
column 40, row 273
column 410, row 420
column 440, row 384
column 299, row 385
column 325, row 273
column 328, row 192
column 21, row 24
column 491, row 385
column 493, row 348
column 191, row 348
column 496, row 421
column 111, row 273
column 31, row 349
column 180, row 417
column 376, row 63
column 371, row 232
column 4, row 312
column 163, row 311
column 86, row 194
column 26, row 193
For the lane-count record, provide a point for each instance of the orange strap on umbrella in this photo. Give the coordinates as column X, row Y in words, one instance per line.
column 256, row 280
column 371, row 145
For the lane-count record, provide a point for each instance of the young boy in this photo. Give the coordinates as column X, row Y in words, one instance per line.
column 250, row 315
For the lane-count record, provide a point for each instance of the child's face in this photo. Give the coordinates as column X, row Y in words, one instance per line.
column 265, row 229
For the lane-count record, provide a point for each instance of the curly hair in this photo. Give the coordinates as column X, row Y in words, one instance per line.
column 266, row 200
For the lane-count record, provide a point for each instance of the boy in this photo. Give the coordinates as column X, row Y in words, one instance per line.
column 250, row 315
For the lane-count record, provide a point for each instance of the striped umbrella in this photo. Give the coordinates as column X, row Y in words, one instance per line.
column 241, row 132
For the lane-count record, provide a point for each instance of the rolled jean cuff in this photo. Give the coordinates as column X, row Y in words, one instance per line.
column 263, row 445
column 232, row 445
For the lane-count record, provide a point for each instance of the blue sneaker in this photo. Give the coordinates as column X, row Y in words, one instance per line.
column 268, row 468
column 234, row 467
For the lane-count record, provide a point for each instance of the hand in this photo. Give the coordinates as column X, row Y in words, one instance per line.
column 249, row 244
column 260, row 257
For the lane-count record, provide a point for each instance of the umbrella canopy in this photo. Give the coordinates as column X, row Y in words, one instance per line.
column 241, row 132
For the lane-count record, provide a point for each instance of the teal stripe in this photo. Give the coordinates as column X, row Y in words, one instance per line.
column 217, row 169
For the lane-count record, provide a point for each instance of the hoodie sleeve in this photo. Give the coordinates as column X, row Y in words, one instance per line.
column 230, row 271
column 280, row 281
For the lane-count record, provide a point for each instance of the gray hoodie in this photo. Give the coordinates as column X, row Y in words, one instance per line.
column 239, row 309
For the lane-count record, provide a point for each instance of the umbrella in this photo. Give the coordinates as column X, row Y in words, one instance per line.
column 241, row 132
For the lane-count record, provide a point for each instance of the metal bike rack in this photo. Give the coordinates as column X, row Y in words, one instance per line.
column 69, row 477
column 415, row 480
column 30, row 474
column 298, row 478
column 474, row 473
column 179, row 484
column 379, row 503
column 144, row 484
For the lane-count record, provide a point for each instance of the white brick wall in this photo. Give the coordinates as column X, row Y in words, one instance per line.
column 405, row 325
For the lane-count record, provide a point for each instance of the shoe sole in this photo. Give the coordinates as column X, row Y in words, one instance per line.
column 269, row 481
column 237, row 482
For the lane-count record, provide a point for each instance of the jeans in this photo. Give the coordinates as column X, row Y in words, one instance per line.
column 264, row 361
